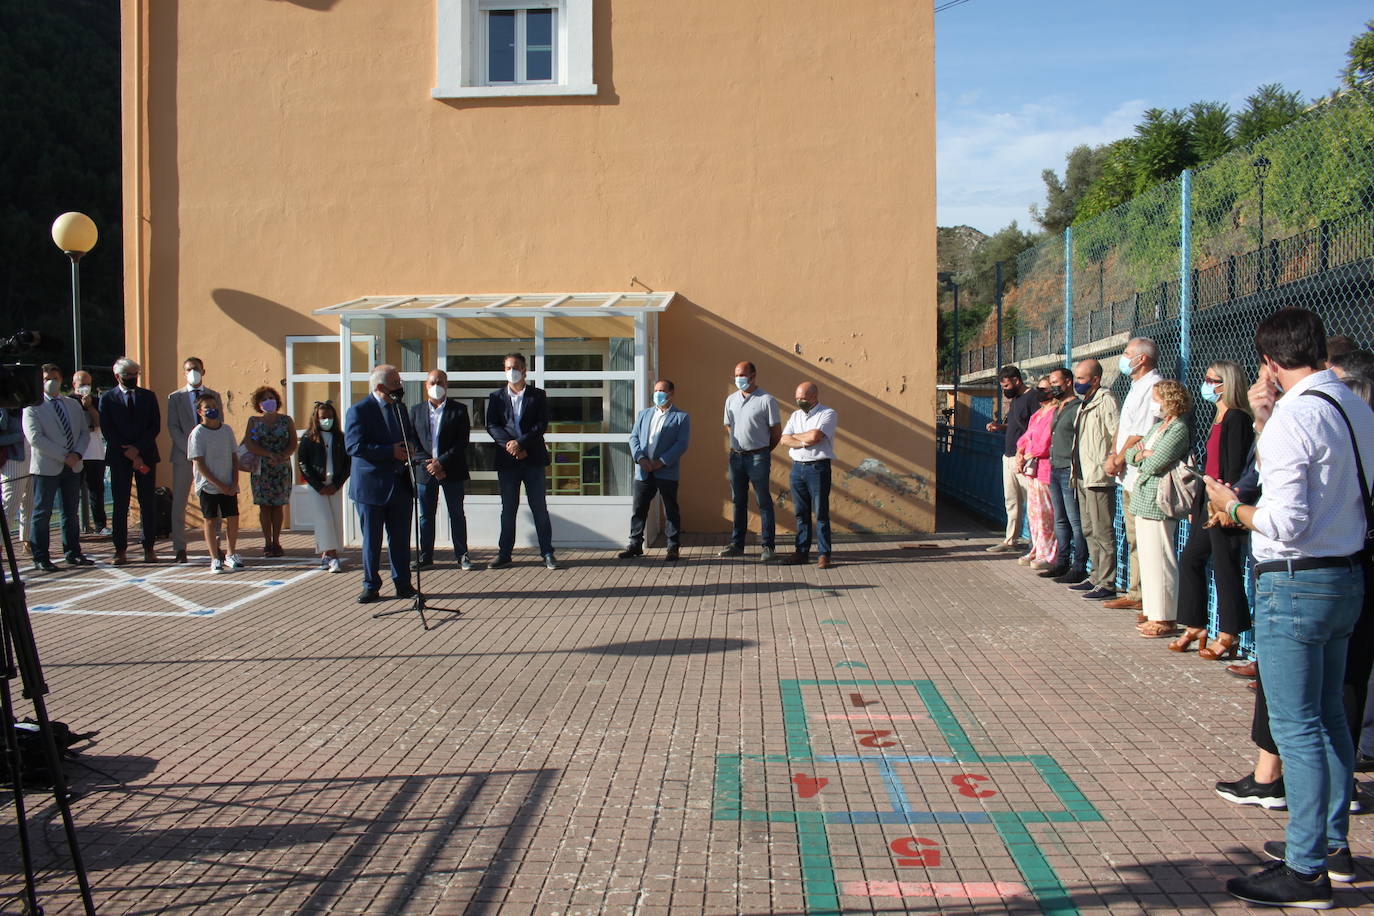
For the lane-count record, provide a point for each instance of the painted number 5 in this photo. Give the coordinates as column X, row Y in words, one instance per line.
column 968, row 785
column 874, row 738
column 909, row 851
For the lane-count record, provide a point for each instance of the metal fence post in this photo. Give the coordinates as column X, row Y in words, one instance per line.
column 1185, row 274
column 997, row 294
column 1068, row 295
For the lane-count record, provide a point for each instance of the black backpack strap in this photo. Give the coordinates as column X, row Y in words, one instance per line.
column 1359, row 464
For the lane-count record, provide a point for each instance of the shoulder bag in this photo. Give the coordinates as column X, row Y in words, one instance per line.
column 1178, row 489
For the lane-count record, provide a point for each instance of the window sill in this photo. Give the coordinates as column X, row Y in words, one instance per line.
column 497, row 92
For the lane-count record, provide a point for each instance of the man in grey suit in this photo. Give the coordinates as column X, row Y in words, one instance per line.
column 181, row 420
column 56, row 429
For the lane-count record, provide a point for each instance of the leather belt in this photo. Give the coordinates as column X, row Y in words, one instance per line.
column 815, row 461
column 747, row 451
column 1301, row 563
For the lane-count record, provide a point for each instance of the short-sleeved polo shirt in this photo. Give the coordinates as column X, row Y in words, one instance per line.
column 750, row 417
column 818, row 417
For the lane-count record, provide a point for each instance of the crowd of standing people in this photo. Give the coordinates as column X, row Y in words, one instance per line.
column 1277, row 490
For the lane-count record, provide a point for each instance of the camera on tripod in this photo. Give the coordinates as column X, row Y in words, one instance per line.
column 21, row 384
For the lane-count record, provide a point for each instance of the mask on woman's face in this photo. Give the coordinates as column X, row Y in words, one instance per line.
column 1210, row 393
column 1043, row 394
column 52, row 387
column 1157, row 410
column 326, row 423
column 268, row 405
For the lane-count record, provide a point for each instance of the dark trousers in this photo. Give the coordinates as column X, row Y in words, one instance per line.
column 94, row 473
column 393, row 518
column 509, row 480
column 123, row 479
column 1068, row 528
column 747, row 471
column 429, row 506
column 644, row 491
column 811, row 495
column 45, row 489
column 1226, row 547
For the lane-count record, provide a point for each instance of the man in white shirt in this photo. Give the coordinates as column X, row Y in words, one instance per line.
column 1308, row 544
column 810, row 438
column 182, row 419
column 56, row 429
column 1138, row 362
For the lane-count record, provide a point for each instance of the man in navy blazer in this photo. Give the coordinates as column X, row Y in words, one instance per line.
column 131, row 421
column 443, row 428
column 657, row 443
column 517, row 417
column 376, row 432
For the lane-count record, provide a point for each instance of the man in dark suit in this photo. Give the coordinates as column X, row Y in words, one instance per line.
column 376, row 433
column 517, row 417
column 657, row 443
column 131, row 420
column 443, row 428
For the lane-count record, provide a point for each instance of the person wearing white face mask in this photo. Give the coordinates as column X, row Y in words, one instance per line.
column 325, row 465
column 753, row 424
column 182, row 419
column 56, row 431
column 517, row 418
column 443, row 428
column 1137, row 363
column 94, row 457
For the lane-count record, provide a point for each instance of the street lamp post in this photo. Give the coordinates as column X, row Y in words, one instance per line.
column 948, row 279
column 1261, row 167
column 75, row 234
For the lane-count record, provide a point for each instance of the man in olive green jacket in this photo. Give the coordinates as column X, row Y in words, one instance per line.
column 1094, row 438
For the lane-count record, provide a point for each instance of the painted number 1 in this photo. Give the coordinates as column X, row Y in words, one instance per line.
column 910, row 852
column 874, row 738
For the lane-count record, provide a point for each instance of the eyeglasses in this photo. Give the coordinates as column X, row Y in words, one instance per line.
column 1211, row 381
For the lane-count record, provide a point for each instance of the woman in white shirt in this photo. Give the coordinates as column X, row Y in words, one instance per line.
column 325, row 465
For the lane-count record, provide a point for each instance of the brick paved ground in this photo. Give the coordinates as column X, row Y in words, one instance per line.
column 640, row 738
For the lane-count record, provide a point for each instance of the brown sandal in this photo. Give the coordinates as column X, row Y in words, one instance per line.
column 1158, row 629
column 1190, row 635
column 1225, row 647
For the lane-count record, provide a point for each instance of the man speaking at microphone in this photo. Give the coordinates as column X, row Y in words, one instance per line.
column 377, row 433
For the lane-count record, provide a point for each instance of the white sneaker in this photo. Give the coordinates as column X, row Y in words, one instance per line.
column 324, row 562
column 335, row 566
column 106, row 532
column 216, row 565
column 234, row 561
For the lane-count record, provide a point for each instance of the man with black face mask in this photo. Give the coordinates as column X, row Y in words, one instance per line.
column 131, row 419
column 380, row 439
column 1023, row 402
column 1072, row 554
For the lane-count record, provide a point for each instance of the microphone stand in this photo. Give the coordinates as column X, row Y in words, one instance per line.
column 417, row 604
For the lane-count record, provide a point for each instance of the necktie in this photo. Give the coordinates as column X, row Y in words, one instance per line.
column 66, row 424
column 129, row 398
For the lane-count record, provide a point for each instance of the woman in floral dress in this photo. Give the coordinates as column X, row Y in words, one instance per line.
column 271, row 436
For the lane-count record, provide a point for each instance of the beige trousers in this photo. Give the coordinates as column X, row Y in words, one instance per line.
column 1158, row 567
column 1095, row 513
column 1015, row 492
column 1132, row 590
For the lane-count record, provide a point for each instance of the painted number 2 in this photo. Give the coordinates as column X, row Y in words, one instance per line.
column 874, row 738
column 968, row 785
column 909, row 851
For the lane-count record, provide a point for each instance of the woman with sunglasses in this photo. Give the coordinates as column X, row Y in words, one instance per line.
column 1220, row 540
column 325, row 465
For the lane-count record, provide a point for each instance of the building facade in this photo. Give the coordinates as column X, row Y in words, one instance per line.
column 621, row 189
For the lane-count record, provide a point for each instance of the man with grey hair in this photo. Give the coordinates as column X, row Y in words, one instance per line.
column 131, row 419
column 1138, row 363
column 381, row 440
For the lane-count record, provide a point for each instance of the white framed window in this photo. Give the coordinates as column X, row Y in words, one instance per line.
column 494, row 48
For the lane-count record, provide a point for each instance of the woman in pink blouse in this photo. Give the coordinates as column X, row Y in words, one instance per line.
column 1033, row 453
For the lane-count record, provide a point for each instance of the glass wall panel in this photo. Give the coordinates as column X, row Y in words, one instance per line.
column 480, row 344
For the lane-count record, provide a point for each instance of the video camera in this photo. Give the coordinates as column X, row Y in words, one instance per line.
column 21, row 384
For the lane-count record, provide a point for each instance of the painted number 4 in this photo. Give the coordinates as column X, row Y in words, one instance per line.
column 873, row 738
column 910, row 852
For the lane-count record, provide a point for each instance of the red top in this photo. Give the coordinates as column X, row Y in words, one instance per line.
column 1213, row 466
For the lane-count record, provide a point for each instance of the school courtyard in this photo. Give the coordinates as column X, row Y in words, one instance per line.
column 924, row 727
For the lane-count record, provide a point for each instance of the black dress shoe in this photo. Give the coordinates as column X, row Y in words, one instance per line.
column 499, row 563
column 629, row 553
column 1279, row 885
column 671, row 555
column 1085, row 586
column 180, row 557
column 1071, row 577
column 80, row 559
column 45, row 565
column 1100, row 594
column 550, row 562
column 368, row 596
column 1054, row 572
column 422, row 563
column 1364, row 763
column 405, row 591
column 465, row 562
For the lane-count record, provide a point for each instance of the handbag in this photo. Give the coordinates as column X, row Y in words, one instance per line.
column 1178, row 490
column 1030, row 467
column 248, row 462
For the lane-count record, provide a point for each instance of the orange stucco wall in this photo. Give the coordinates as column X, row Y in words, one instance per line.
column 771, row 161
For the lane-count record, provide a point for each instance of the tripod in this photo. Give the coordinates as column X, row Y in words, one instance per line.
column 417, row 604
column 20, row 660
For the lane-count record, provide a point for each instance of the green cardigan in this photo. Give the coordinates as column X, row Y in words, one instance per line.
column 1168, row 449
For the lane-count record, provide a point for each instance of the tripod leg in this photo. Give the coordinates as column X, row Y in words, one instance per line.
column 7, row 719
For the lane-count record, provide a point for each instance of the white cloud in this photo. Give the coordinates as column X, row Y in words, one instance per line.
column 989, row 162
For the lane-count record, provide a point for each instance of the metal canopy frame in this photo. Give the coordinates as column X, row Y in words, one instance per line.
column 500, row 305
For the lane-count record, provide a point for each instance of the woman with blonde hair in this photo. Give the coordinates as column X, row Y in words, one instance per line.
column 1033, row 455
column 1154, row 456
column 1223, row 542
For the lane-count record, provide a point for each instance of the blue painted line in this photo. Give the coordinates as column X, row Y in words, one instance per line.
column 43, row 607
column 274, row 582
column 900, row 803
column 203, row 612
column 138, row 580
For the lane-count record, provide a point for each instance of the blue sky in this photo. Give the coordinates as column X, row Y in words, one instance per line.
column 1019, row 84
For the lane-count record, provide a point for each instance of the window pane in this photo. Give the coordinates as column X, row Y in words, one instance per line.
column 539, row 45
column 501, row 46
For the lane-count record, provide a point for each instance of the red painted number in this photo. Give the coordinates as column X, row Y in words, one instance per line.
column 874, row 738
column 857, row 699
column 968, row 785
column 910, row 853
column 807, row 786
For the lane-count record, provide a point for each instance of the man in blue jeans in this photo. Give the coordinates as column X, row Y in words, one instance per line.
column 1308, row 538
column 810, row 438
column 754, row 426
column 1071, row 567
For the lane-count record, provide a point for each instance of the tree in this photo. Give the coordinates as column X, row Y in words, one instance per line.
column 1115, row 185
column 1270, row 108
column 1209, row 125
column 1082, row 167
column 1359, row 58
column 1164, row 147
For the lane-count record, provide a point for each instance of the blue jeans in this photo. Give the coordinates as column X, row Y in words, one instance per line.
column 46, row 488
column 1303, row 622
column 811, row 492
column 532, row 476
column 746, row 470
column 429, row 508
column 1068, row 529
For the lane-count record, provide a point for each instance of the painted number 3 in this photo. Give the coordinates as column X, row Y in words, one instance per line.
column 874, row 738
column 968, row 785
column 910, row 853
